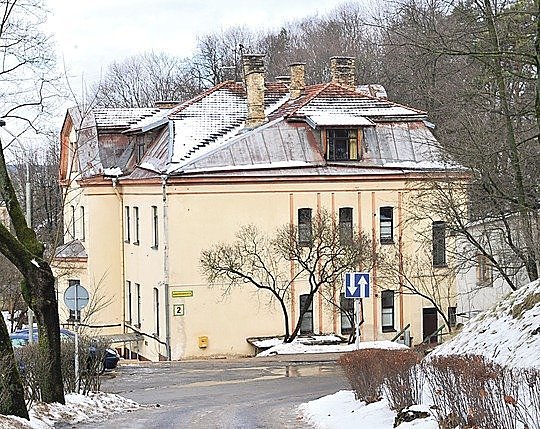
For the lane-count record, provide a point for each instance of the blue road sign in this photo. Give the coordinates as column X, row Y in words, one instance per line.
column 356, row 285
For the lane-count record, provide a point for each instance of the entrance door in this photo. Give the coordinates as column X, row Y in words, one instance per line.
column 429, row 323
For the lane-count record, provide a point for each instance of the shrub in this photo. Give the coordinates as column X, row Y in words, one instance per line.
column 374, row 371
column 469, row 391
column 32, row 365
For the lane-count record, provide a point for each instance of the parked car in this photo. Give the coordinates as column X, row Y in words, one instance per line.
column 110, row 356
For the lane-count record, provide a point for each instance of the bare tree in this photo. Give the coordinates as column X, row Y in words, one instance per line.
column 143, row 79
column 483, row 65
column 24, row 76
column 320, row 257
column 10, row 293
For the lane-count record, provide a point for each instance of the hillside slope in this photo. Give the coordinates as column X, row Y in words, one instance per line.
column 508, row 333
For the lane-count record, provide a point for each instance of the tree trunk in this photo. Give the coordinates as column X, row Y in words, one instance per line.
column 40, row 294
column 25, row 252
column 11, row 389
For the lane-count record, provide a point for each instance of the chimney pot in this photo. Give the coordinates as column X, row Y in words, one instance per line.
column 254, row 78
column 298, row 80
column 342, row 70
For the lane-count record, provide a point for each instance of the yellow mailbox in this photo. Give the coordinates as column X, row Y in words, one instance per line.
column 203, row 342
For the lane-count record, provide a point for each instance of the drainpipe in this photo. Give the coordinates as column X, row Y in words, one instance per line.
column 166, row 265
column 122, row 251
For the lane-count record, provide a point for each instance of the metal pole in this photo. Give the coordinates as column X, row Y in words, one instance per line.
column 29, row 223
column 77, row 380
column 357, row 322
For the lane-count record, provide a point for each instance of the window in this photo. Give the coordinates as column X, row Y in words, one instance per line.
column 155, row 231
column 342, row 144
column 386, row 224
column 305, row 234
column 452, row 316
column 306, row 326
column 83, row 224
column 387, row 313
column 138, row 291
column 156, row 311
column 74, row 158
column 136, row 225
column 484, row 271
column 345, row 225
column 129, row 314
column 347, row 314
column 439, row 244
column 74, row 315
column 73, row 224
column 127, row 229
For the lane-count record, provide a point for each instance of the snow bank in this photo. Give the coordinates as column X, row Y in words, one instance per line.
column 299, row 346
column 78, row 408
column 508, row 333
column 341, row 410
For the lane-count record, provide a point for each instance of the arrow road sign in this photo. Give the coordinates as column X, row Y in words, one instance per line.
column 356, row 285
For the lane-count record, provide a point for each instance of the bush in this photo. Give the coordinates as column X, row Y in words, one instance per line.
column 33, row 365
column 394, row 372
column 469, row 391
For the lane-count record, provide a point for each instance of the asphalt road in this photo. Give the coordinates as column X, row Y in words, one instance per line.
column 239, row 393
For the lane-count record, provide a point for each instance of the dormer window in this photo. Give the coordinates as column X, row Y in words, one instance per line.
column 342, row 144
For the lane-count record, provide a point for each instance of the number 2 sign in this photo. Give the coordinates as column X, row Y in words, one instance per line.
column 178, row 309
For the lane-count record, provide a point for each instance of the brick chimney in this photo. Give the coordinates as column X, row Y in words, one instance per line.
column 342, row 70
column 254, row 77
column 298, row 81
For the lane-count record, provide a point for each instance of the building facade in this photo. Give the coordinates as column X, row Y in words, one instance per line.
column 147, row 190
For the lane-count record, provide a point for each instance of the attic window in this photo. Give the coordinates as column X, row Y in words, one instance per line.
column 342, row 144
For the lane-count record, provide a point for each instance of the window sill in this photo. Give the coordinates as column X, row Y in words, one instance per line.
column 154, row 247
column 440, row 265
column 392, row 329
column 387, row 241
column 136, row 243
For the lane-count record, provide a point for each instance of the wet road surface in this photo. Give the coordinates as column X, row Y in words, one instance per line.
column 239, row 393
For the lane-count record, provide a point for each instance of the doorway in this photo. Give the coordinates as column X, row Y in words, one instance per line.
column 429, row 323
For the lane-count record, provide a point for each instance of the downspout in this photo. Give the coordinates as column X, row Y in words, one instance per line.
column 122, row 262
column 166, row 265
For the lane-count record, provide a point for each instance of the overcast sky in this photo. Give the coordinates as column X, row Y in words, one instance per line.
column 91, row 34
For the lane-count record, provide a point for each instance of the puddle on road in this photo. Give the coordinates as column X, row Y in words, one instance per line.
column 287, row 371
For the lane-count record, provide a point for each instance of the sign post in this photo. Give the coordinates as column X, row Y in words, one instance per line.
column 76, row 297
column 357, row 287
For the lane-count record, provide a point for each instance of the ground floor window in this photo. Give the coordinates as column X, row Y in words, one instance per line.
column 387, row 313
column 306, row 327
column 346, row 306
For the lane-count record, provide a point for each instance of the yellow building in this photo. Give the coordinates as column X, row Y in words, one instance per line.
column 148, row 189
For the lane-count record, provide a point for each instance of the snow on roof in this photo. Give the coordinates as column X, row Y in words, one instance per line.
column 507, row 333
column 202, row 126
column 337, row 119
column 356, row 106
column 124, row 117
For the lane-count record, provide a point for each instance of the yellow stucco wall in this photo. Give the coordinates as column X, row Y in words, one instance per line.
column 200, row 215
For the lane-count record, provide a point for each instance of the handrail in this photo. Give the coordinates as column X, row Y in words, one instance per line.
column 401, row 332
column 429, row 337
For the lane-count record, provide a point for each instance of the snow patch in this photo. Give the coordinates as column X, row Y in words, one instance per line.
column 115, row 171
column 504, row 334
column 78, row 408
column 298, row 346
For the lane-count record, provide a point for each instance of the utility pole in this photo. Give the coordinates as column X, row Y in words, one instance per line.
column 29, row 222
